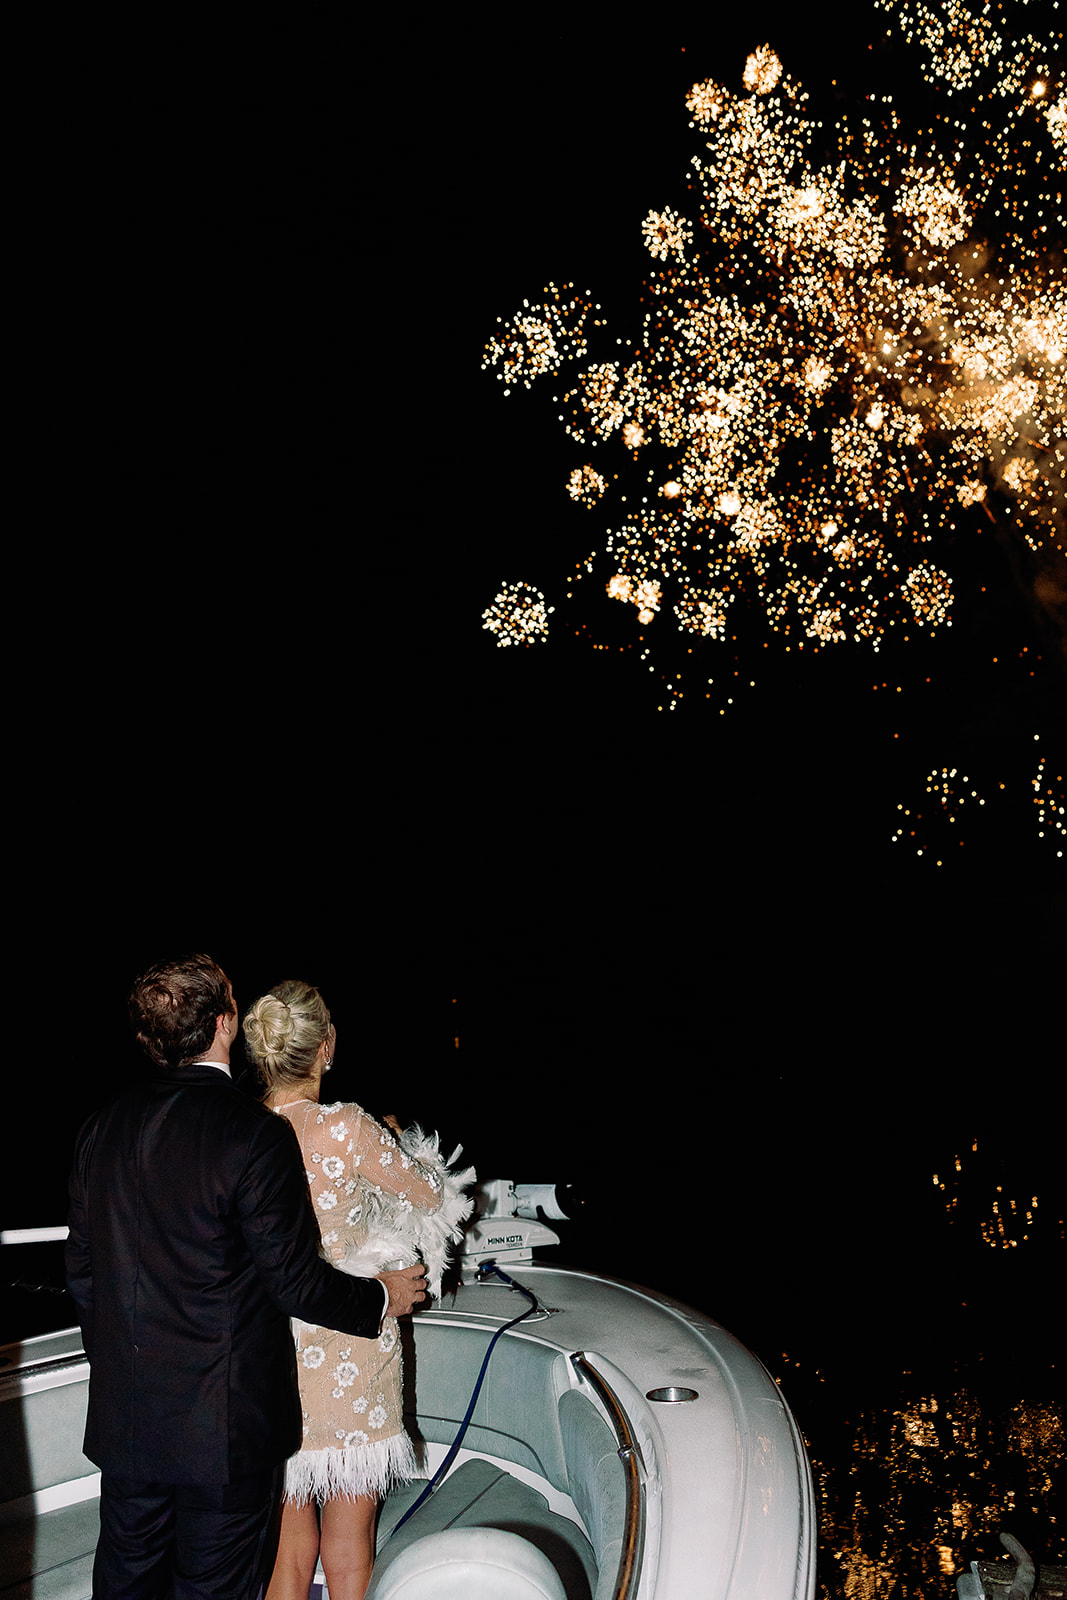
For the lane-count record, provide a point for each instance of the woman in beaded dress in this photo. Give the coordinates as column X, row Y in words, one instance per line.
column 381, row 1201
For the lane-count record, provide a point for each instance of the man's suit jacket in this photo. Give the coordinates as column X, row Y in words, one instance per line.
column 192, row 1243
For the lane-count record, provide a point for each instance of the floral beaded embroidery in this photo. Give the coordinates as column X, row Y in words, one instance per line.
column 350, row 1388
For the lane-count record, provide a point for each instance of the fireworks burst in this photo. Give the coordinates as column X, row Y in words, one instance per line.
column 1051, row 808
column 944, row 818
column 518, row 615
column 844, row 361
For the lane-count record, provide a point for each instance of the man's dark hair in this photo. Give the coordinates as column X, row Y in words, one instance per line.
column 174, row 1007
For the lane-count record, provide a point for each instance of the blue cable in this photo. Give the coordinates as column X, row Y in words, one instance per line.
column 486, row 1268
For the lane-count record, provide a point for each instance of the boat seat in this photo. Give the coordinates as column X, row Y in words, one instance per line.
column 597, row 1485
column 471, row 1564
column 527, row 1413
column 479, row 1494
column 48, row 1555
column 515, row 1418
column 49, row 1510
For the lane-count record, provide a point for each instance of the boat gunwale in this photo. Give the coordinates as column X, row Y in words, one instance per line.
column 631, row 1556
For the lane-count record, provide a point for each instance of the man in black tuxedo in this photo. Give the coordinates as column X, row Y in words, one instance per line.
column 192, row 1243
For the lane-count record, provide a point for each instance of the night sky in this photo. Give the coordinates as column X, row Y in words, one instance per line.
column 274, row 494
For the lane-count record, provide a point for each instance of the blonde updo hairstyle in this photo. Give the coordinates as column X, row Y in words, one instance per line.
column 283, row 1032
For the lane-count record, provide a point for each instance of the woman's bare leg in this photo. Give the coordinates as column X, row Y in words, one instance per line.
column 298, row 1551
column 347, row 1546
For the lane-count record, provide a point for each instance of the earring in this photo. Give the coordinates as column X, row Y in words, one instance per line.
column 327, row 1064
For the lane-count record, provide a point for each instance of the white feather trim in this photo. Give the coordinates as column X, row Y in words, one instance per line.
column 398, row 1236
column 362, row 1469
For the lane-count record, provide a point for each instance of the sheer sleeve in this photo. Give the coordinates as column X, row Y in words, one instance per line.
column 385, row 1166
column 350, row 1159
column 379, row 1200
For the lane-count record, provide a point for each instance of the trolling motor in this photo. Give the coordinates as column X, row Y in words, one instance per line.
column 509, row 1221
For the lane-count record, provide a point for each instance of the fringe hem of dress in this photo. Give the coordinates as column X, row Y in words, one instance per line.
column 363, row 1469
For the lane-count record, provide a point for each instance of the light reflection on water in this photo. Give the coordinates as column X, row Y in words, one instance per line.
column 932, row 1409
column 919, row 1326
column 909, row 1496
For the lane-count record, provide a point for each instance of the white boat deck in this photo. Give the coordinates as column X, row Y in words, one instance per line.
column 726, row 1504
column 729, row 1501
